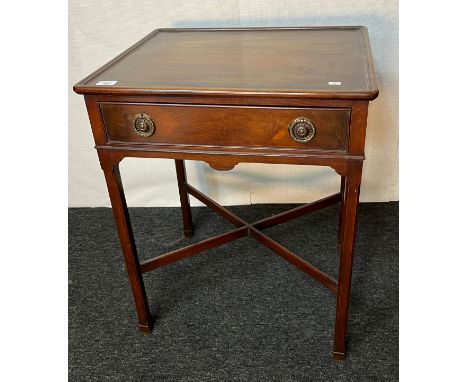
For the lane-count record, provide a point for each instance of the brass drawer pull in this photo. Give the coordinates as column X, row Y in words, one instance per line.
column 143, row 125
column 302, row 130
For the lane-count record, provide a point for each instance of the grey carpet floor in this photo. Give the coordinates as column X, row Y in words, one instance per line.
column 235, row 313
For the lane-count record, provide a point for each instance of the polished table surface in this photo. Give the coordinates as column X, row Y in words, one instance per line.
column 225, row 96
column 280, row 61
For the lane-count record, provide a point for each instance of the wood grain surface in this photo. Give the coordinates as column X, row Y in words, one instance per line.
column 227, row 126
column 327, row 62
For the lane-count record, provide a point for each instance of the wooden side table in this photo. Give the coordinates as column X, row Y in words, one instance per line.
column 225, row 96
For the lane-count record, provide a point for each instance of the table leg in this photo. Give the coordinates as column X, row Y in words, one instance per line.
column 342, row 187
column 127, row 242
column 348, row 216
column 184, row 198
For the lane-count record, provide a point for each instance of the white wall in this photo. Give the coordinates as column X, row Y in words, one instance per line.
column 99, row 30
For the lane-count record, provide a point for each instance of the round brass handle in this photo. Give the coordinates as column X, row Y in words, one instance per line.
column 143, row 125
column 302, row 130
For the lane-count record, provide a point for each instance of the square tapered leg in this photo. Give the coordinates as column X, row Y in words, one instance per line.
column 127, row 242
column 184, row 198
column 347, row 231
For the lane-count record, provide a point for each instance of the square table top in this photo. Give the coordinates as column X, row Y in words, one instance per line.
column 311, row 62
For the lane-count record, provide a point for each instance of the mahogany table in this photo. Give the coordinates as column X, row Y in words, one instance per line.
column 225, row 96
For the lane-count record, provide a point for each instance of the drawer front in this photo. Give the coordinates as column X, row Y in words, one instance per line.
column 202, row 125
